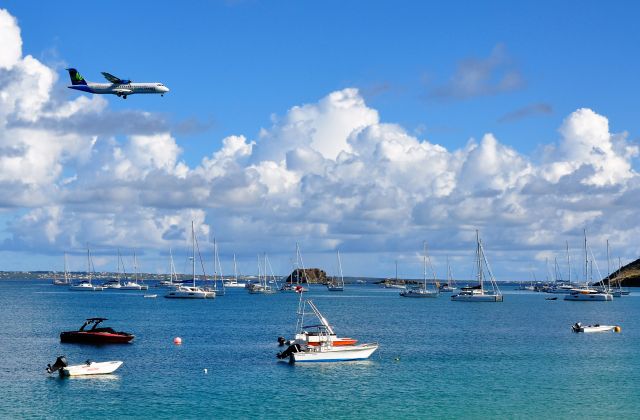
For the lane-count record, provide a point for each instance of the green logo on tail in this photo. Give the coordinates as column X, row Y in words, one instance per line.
column 78, row 77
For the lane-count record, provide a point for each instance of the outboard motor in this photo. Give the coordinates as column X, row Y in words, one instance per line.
column 60, row 363
column 576, row 327
column 294, row 348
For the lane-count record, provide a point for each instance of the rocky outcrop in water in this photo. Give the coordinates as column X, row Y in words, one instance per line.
column 308, row 275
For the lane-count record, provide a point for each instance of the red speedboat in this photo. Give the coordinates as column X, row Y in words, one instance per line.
column 95, row 334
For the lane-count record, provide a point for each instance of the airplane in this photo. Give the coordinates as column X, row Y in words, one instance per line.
column 118, row 86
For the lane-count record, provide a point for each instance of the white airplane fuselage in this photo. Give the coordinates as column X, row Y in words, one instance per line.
column 122, row 89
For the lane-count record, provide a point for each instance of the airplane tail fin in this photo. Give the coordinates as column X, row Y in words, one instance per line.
column 76, row 78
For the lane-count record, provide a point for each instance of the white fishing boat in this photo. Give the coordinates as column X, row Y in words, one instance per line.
column 88, row 368
column 336, row 284
column 191, row 292
column 586, row 293
column 579, row 328
column 86, row 285
column 234, row 283
column 478, row 293
column 65, row 280
column 423, row 292
column 323, row 345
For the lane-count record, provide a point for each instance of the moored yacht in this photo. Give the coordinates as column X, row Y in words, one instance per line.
column 478, row 293
column 423, row 291
column 86, row 285
column 191, row 292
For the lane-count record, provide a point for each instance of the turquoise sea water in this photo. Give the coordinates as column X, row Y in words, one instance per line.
column 437, row 358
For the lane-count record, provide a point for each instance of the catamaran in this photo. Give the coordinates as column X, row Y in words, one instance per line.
column 423, row 292
column 191, row 292
column 337, row 284
column 478, row 293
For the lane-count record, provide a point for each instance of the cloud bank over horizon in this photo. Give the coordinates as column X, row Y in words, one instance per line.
column 328, row 174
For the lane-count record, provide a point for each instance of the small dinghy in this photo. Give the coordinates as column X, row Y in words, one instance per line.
column 551, row 298
column 88, row 368
column 579, row 328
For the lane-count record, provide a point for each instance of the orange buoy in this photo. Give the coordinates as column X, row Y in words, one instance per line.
column 177, row 341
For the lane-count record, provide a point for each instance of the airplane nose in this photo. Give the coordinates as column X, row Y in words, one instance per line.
column 165, row 89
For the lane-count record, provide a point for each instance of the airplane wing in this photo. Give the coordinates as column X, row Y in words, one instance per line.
column 115, row 80
column 123, row 91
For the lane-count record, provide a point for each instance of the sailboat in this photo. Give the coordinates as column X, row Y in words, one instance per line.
column 65, row 280
column 173, row 277
column 85, row 285
column 264, row 286
column 335, row 284
column 586, row 293
column 234, row 282
column 449, row 286
column 298, row 267
column 479, row 293
column 217, row 273
column 191, row 292
column 134, row 285
column 115, row 283
column 423, row 292
column 396, row 284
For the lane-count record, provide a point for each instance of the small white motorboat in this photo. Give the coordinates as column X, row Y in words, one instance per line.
column 579, row 328
column 88, row 368
column 150, row 296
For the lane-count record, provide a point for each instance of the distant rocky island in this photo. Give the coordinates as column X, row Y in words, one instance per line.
column 307, row 275
column 627, row 276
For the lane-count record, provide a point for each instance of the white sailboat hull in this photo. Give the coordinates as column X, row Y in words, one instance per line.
column 235, row 285
column 335, row 354
column 589, row 297
column 419, row 294
column 477, row 298
column 84, row 287
column 134, row 286
column 93, row 368
column 189, row 293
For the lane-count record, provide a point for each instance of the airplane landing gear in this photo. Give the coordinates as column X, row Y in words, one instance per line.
column 124, row 96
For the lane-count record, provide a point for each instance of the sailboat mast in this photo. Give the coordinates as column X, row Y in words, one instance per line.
column 479, row 262
column 235, row 268
column 66, row 274
column 568, row 261
column 89, row 265
column 193, row 260
column 424, row 257
column 586, row 259
column 608, row 265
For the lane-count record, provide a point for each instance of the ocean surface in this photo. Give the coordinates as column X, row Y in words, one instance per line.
column 437, row 358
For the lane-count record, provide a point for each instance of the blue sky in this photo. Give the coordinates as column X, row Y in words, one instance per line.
column 445, row 73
